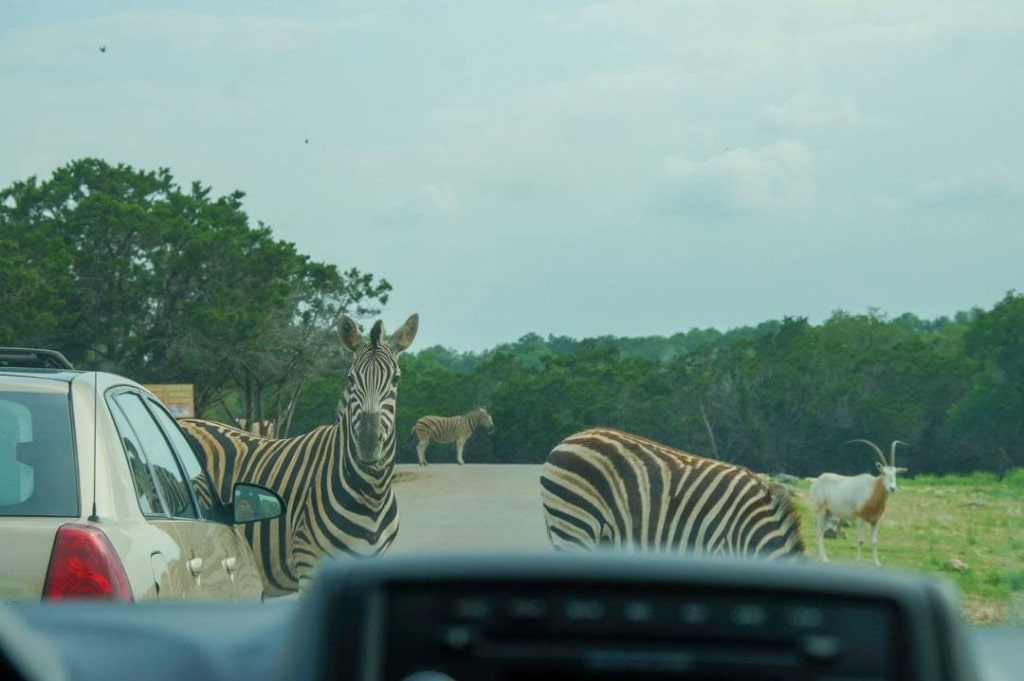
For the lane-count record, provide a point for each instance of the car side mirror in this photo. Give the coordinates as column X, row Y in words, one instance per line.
column 252, row 502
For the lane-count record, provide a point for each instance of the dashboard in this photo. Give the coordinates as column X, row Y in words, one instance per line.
column 530, row 616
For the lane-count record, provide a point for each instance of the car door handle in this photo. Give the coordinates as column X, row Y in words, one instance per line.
column 230, row 564
column 195, row 566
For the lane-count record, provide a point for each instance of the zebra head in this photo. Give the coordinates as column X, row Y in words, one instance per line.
column 367, row 406
column 482, row 419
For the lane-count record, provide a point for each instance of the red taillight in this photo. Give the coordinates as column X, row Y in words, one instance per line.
column 84, row 565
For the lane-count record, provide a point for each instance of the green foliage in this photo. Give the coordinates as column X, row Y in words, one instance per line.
column 989, row 421
column 780, row 397
column 1014, row 478
column 124, row 270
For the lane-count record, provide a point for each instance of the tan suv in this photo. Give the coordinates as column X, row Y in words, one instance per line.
column 101, row 495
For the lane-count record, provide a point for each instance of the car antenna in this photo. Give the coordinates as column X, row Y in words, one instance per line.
column 94, row 517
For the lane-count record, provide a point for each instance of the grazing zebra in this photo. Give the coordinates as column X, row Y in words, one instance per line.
column 605, row 488
column 335, row 480
column 445, row 429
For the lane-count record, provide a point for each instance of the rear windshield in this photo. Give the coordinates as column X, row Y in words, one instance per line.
column 38, row 476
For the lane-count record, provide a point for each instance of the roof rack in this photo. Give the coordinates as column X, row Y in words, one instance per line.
column 33, row 358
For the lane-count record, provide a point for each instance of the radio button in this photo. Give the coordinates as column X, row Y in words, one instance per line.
column 805, row 617
column 471, row 609
column 694, row 614
column 527, row 609
column 638, row 612
column 584, row 610
column 457, row 638
column 749, row 616
column 821, row 648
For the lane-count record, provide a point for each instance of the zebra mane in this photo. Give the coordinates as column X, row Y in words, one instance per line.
column 375, row 333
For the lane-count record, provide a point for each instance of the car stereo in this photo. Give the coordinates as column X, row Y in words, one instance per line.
column 605, row 617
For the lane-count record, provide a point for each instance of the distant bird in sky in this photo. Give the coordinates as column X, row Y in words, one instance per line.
column 307, row 140
column 103, row 48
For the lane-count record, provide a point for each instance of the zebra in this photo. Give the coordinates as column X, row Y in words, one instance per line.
column 445, row 429
column 609, row 489
column 335, row 480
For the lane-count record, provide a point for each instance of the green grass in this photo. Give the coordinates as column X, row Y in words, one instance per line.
column 933, row 519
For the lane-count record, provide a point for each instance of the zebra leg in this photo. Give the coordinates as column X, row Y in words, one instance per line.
column 458, row 450
column 421, row 452
column 305, row 583
column 606, row 537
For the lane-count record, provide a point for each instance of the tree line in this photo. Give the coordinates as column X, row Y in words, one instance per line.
column 783, row 396
column 124, row 270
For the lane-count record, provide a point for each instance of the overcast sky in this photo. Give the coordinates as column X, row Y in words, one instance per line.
column 628, row 168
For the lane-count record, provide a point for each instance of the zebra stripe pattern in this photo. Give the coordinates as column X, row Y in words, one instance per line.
column 609, row 489
column 446, row 429
column 335, row 480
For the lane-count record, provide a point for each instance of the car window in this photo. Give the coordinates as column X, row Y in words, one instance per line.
column 150, row 441
column 195, row 473
column 145, row 486
column 38, row 476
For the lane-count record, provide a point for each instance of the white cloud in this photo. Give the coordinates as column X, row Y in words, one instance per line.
column 983, row 185
column 603, row 93
column 910, row 20
column 440, row 197
column 805, row 110
column 777, row 178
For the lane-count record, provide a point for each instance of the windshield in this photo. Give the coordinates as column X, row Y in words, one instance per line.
column 783, row 236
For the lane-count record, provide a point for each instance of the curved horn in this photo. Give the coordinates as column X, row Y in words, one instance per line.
column 892, row 451
column 881, row 456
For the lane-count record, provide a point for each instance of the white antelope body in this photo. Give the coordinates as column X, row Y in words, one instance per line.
column 859, row 496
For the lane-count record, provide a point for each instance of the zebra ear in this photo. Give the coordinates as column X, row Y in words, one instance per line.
column 349, row 332
column 403, row 338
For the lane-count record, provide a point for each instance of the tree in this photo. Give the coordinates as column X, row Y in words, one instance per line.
column 988, row 423
column 123, row 270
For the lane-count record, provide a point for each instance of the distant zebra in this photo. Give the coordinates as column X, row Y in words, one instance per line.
column 605, row 488
column 335, row 480
column 446, row 429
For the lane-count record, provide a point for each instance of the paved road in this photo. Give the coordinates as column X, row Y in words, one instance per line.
column 475, row 506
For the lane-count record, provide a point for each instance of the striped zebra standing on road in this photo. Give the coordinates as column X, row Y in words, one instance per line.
column 335, row 480
column 605, row 488
column 446, row 429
